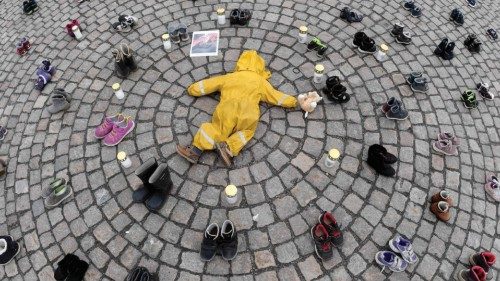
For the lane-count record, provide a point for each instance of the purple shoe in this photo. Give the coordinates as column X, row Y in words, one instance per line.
column 401, row 245
column 43, row 79
column 445, row 147
column 449, row 136
column 120, row 130
column 107, row 125
column 46, row 67
column 390, row 260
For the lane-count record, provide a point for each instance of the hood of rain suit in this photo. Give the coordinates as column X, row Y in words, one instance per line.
column 251, row 61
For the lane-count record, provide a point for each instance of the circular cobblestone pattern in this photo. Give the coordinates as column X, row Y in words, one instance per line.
column 280, row 173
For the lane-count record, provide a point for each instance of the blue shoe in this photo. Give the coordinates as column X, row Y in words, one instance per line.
column 408, row 5
column 401, row 245
column 43, row 79
column 472, row 3
column 416, row 12
column 390, row 260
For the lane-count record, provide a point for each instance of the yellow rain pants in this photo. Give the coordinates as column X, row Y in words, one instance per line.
column 236, row 116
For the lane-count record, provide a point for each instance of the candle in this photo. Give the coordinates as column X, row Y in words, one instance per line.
column 76, row 31
column 123, row 159
column 221, row 17
column 303, row 34
column 231, row 192
column 318, row 73
column 381, row 54
column 118, row 91
column 166, row 42
column 332, row 157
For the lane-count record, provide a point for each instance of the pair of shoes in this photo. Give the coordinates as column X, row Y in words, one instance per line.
column 69, row 27
column 472, row 3
column 482, row 88
column 8, row 249
column 56, row 192
column 326, row 233
column 29, row 7
column 224, row 241
column 441, row 203
column 46, row 67
column 335, row 91
column 417, row 82
column 399, row 245
column 394, row 109
column 350, row 16
column 125, row 23
column 380, row 160
column 492, row 34
column 480, row 266
column 402, row 37
column 156, row 184
column 3, row 163
column 71, row 267
column 140, row 273
column 23, row 46
column 178, row 32
column 415, row 11
column 3, row 133
column 492, row 187
column 124, row 61
column 473, row 44
column 190, row 153
column 445, row 49
column 240, row 17
column 457, row 17
column 469, row 99
column 318, row 46
column 446, row 143
column 364, row 43
column 114, row 128
column 60, row 101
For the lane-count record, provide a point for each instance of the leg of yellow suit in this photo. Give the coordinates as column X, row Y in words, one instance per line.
column 206, row 137
column 238, row 140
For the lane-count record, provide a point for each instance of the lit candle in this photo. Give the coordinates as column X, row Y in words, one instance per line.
column 332, row 157
column 166, row 42
column 231, row 192
column 76, row 31
column 318, row 73
column 303, row 34
column 221, row 17
column 381, row 54
column 118, row 91
column 124, row 160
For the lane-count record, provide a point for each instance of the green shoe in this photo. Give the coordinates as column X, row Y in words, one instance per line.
column 469, row 99
column 58, row 196
column 54, row 183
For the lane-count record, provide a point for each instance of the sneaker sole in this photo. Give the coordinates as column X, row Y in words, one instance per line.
column 366, row 52
column 120, row 140
column 185, row 157
column 441, row 151
column 400, row 119
column 401, row 42
column 468, row 107
column 416, row 16
column 230, row 258
column 18, row 250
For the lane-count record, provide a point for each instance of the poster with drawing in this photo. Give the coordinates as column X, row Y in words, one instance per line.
column 205, row 43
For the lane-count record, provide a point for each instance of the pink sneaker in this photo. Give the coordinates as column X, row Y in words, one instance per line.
column 449, row 136
column 120, row 130
column 493, row 189
column 445, row 147
column 107, row 125
column 493, row 179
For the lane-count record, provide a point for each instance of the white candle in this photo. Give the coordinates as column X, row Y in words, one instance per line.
column 231, row 192
column 221, row 17
column 303, row 34
column 124, row 160
column 318, row 73
column 166, row 42
column 332, row 157
column 76, row 31
column 381, row 54
column 118, row 91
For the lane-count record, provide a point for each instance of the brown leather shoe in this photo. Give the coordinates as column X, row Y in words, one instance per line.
column 442, row 210
column 188, row 153
column 442, row 195
column 225, row 153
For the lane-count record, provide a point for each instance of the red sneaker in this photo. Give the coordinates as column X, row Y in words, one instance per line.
column 329, row 222
column 26, row 43
column 322, row 244
column 20, row 49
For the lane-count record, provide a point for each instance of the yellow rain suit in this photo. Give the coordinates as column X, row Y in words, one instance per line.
column 236, row 116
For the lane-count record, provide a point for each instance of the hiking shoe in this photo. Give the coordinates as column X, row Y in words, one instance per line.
column 228, row 240
column 482, row 88
column 402, row 245
column 492, row 34
column 397, row 112
column 107, row 125
column 224, row 153
column 377, row 160
column 475, row 273
column 404, row 38
column 441, row 210
column 59, row 103
column 419, row 85
column 190, row 153
column 8, row 250
column 469, row 99
column 55, row 183
column 58, row 195
column 358, row 39
column 367, row 46
column 410, row 78
column 486, row 260
column 442, row 195
column 119, row 131
column 472, row 3
column 408, row 5
column 450, row 137
column 333, row 229
column 209, row 243
column 445, row 147
column 493, row 189
column 448, row 51
column 322, row 244
column 397, row 29
column 416, row 12
column 350, row 16
column 3, row 133
column 441, row 47
column 390, row 260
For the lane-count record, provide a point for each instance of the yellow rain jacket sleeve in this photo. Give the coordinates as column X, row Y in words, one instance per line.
column 237, row 115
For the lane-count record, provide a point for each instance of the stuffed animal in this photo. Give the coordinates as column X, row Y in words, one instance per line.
column 308, row 102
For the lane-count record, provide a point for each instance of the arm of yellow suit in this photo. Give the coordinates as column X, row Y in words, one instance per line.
column 275, row 97
column 206, row 86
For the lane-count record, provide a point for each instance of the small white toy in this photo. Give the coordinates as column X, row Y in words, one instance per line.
column 308, row 102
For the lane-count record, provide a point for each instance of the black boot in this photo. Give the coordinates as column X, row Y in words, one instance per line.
column 144, row 172
column 376, row 160
column 440, row 48
column 8, row 249
column 228, row 240
column 77, row 271
column 121, row 69
column 160, row 184
column 128, row 57
column 64, row 266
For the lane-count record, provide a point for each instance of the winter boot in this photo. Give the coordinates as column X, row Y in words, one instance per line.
column 64, row 266
column 128, row 57
column 397, row 29
column 121, row 69
column 442, row 195
column 448, row 51
column 486, row 260
column 440, row 48
column 244, row 17
column 419, row 85
column 59, row 103
column 46, row 67
column 144, row 172
column 8, row 250
column 442, row 210
column 376, row 160
column 392, row 101
column 228, row 240
column 397, row 112
column 160, row 184
column 475, row 273
column 183, row 32
column 43, row 79
column 404, row 38
column 77, row 271
column 209, row 243
column 173, row 31
column 367, row 46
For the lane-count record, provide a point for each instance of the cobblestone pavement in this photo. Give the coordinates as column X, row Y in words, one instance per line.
column 281, row 171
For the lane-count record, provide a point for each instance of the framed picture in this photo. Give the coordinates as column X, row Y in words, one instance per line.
column 205, row 43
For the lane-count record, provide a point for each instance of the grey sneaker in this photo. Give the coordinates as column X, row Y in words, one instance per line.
column 55, row 183
column 445, row 147
column 59, row 103
column 397, row 112
column 419, row 85
column 58, row 195
column 410, row 78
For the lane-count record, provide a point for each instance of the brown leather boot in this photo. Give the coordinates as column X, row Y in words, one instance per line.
column 442, row 195
column 188, row 153
column 225, row 153
column 442, row 210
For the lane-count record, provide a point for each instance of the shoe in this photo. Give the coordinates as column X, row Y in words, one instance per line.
column 486, row 260
column 367, row 46
column 8, row 250
column 416, row 12
column 402, row 245
column 419, row 85
column 43, row 79
column 448, row 137
column 350, row 16
column 358, row 39
column 386, row 107
column 318, row 46
column 376, row 160
column 454, row 13
column 183, row 32
column 338, row 94
column 119, row 131
column 475, row 46
column 472, row 3
column 47, row 68
column 59, row 103
column 27, row 8
column 121, row 26
column 121, row 69
column 459, row 19
column 492, row 34
column 77, row 271
column 390, row 260
column 228, row 240
column 20, row 50
column 492, row 178
column 408, row 5
column 332, row 82
column 140, row 273
column 107, row 125
column 493, row 189
column 448, row 51
column 322, row 244
column 442, row 210
column 160, row 184
column 482, row 88
column 144, row 172
column 64, row 266
column 33, row 6
column 3, row 133
column 445, row 147
column 54, row 184
column 387, row 157
column 61, row 91
column 209, row 243
column 469, row 99
column 397, row 112
column 58, row 195
column 224, row 153
column 397, row 29
column 470, row 39
column 333, row 229
column 442, row 195
column 189, row 153
column 244, row 17
column 475, row 273
column 69, row 29
column 404, row 38
column 440, row 48
column 26, row 43
column 129, row 21
column 3, row 166
column 234, row 17
column 410, row 78
column 128, row 57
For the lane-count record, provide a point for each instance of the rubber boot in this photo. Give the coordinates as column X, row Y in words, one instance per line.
column 144, row 172
column 160, row 184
